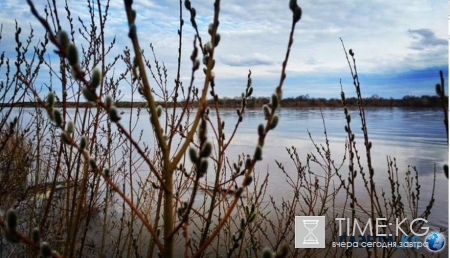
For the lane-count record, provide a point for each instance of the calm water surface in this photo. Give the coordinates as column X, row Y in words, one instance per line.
column 415, row 137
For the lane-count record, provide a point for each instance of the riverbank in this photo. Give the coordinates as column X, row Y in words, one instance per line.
column 424, row 101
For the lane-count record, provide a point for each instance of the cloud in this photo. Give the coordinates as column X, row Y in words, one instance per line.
column 254, row 59
column 385, row 35
column 424, row 39
column 312, row 61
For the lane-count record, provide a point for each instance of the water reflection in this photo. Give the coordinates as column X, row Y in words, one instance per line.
column 415, row 137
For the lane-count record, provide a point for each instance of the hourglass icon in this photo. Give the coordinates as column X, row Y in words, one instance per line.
column 310, row 238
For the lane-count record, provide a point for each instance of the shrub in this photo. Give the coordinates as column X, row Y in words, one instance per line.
column 110, row 191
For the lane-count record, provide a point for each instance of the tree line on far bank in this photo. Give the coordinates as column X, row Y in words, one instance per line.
column 424, row 101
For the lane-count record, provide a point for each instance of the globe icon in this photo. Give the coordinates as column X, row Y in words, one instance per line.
column 435, row 241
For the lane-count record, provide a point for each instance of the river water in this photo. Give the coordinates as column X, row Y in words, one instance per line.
column 415, row 137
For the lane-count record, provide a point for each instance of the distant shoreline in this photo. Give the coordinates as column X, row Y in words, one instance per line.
column 143, row 105
column 297, row 102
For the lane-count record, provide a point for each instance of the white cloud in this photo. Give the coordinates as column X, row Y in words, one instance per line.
column 387, row 36
column 254, row 59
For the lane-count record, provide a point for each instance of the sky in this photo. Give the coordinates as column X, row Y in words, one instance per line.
column 399, row 46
